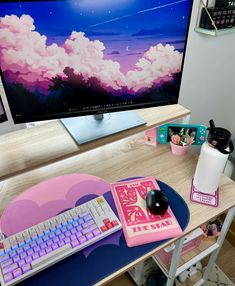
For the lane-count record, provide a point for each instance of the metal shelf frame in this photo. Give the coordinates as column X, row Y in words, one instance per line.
column 213, row 251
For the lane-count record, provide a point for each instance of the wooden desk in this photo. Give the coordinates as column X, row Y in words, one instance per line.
column 127, row 158
column 27, row 149
column 30, row 156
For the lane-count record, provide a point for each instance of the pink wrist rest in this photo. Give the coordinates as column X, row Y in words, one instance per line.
column 48, row 199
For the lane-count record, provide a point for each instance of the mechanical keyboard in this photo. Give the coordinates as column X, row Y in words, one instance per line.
column 36, row 248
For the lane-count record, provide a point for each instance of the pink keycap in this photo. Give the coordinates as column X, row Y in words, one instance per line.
column 74, row 243
column 96, row 232
column 16, row 259
column 6, row 263
column 82, row 239
column 22, row 262
column 8, row 277
column 43, row 245
column 48, row 249
column 89, row 235
column 42, row 252
column 28, row 259
column 72, row 237
column 35, row 256
column 26, row 268
column 78, row 234
column 54, row 246
column 17, row 272
column 10, row 268
column 61, row 243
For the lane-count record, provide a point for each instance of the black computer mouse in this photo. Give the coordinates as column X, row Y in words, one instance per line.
column 157, row 202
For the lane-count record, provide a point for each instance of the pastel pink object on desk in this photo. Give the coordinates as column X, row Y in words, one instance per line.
column 178, row 149
column 47, row 199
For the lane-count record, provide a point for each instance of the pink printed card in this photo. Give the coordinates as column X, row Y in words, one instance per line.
column 211, row 200
column 139, row 225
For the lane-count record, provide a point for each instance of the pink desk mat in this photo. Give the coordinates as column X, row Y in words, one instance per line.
column 50, row 198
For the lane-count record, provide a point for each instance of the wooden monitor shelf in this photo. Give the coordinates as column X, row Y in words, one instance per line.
column 47, row 143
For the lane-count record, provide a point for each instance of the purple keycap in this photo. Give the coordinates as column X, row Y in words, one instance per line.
column 58, row 232
column 79, row 228
column 13, row 254
column 23, row 255
column 22, row 262
column 6, row 263
column 89, row 235
column 10, row 268
column 48, row 249
column 88, row 223
column 8, row 277
column 68, row 234
column 72, row 237
column 61, row 243
column 69, row 227
column 78, row 234
column 52, row 235
column 96, row 232
column 87, row 217
column 63, row 229
column 39, row 241
column 82, row 239
column 54, row 246
column 33, row 244
column 61, row 236
column 26, row 268
column 17, row 272
column 89, row 229
column 19, row 251
column 36, row 248
column 43, row 246
column 45, row 238
column 16, row 259
column 73, row 231
column 42, row 252
column 49, row 242
column 81, row 221
column 26, row 247
column 4, row 258
column 66, row 240
column 35, row 256
column 74, row 243
column 75, row 224
column 28, row 259
column 56, row 239
column 30, row 252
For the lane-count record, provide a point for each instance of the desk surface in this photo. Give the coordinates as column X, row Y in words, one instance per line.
column 29, row 148
column 128, row 158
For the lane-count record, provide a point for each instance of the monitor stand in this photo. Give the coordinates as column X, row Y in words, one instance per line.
column 88, row 128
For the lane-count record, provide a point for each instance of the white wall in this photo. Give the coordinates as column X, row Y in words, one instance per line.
column 208, row 86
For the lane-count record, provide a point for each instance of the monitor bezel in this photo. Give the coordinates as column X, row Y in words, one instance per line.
column 67, row 114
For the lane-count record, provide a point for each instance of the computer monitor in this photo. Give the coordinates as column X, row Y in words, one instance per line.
column 3, row 116
column 70, row 58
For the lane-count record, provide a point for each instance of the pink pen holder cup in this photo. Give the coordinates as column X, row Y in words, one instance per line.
column 179, row 150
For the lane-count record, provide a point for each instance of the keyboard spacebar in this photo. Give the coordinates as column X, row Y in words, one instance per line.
column 45, row 259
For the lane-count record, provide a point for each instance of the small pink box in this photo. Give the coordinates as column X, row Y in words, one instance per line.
column 191, row 242
column 150, row 137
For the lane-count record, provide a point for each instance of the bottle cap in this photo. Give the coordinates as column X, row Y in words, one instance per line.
column 220, row 138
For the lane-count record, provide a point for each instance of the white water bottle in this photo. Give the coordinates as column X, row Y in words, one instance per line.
column 212, row 160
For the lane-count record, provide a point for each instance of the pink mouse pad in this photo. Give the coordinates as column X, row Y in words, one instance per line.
column 52, row 197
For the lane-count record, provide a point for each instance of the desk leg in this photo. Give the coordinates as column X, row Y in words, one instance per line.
column 228, row 220
column 174, row 261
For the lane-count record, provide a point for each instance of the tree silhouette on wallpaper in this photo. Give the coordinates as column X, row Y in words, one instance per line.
column 75, row 90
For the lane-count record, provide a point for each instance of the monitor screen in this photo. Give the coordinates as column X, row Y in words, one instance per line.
column 78, row 57
column 3, row 116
